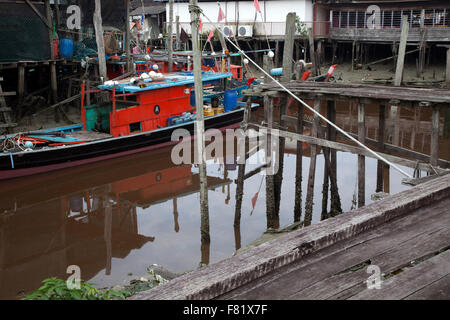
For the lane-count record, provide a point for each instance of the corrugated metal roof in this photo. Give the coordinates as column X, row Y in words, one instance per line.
column 149, row 10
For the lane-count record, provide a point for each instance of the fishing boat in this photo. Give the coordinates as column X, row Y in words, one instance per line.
column 140, row 114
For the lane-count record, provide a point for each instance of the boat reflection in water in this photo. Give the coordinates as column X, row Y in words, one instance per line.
column 86, row 217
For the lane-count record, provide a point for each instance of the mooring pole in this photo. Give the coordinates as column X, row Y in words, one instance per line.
column 99, row 39
column 127, row 36
column 288, row 53
column 312, row 168
column 200, row 130
column 401, row 52
column 361, row 159
column 170, row 36
column 381, row 129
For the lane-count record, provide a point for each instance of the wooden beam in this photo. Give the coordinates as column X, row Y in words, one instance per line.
column 33, row 7
column 352, row 149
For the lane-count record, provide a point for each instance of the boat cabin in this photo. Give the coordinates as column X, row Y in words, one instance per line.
column 140, row 105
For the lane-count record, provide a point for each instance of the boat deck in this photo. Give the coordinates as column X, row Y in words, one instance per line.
column 89, row 135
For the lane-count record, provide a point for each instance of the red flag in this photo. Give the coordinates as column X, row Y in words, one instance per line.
column 211, row 34
column 256, row 3
column 200, row 26
column 254, row 200
column 221, row 15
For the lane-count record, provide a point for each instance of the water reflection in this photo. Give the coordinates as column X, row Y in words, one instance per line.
column 117, row 218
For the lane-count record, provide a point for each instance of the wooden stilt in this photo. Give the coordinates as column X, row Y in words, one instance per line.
column 176, row 225
column 170, row 36
column 200, row 138
column 381, row 129
column 312, row 52
column 99, row 39
column 435, row 136
column 332, row 170
column 299, row 167
column 312, row 169
column 361, row 158
column 402, row 50
column 238, row 208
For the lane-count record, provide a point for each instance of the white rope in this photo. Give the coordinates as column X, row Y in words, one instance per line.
column 312, row 109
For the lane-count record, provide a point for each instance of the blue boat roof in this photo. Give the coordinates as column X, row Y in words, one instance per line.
column 170, row 80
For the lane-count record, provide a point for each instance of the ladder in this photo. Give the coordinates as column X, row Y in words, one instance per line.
column 5, row 111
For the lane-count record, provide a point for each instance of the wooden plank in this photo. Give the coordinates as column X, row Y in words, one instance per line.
column 324, row 274
column 411, row 280
column 8, row 94
column 438, row 290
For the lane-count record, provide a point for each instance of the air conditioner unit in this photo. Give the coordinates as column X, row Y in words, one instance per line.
column 245, row 31
column 229, row 31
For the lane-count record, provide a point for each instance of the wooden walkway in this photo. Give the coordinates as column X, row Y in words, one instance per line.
column 406, row 235
column 410, row 251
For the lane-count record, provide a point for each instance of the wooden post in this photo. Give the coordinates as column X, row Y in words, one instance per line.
column 402, row 50
column 99, row 39
column 332, row 170
column 177, row 40
column 312, row 168
column 277, row 53
column 238, row 208
column 447, row 70
column 200, row 130
column 175, row 215
column 58, row 14
column 381, row 130
column 299, row 167
column 108, row 235
column 361, row 159
column 128, row 36
column 312, row 52
column 288, row 53
column 170, row 36
column 268, row 119
column 434, row 156
column 21, row 82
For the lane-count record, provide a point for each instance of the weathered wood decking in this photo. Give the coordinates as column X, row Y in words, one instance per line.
column 406, row 235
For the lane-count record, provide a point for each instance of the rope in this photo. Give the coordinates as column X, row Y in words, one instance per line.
column 314, row 111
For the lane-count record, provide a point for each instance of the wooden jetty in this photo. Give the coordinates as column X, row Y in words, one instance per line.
column 406, row 235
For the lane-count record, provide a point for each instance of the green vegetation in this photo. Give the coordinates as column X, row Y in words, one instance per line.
column 57, row 289
column 301, row 27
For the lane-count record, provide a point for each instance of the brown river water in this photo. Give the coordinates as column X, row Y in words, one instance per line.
column 51, row 221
